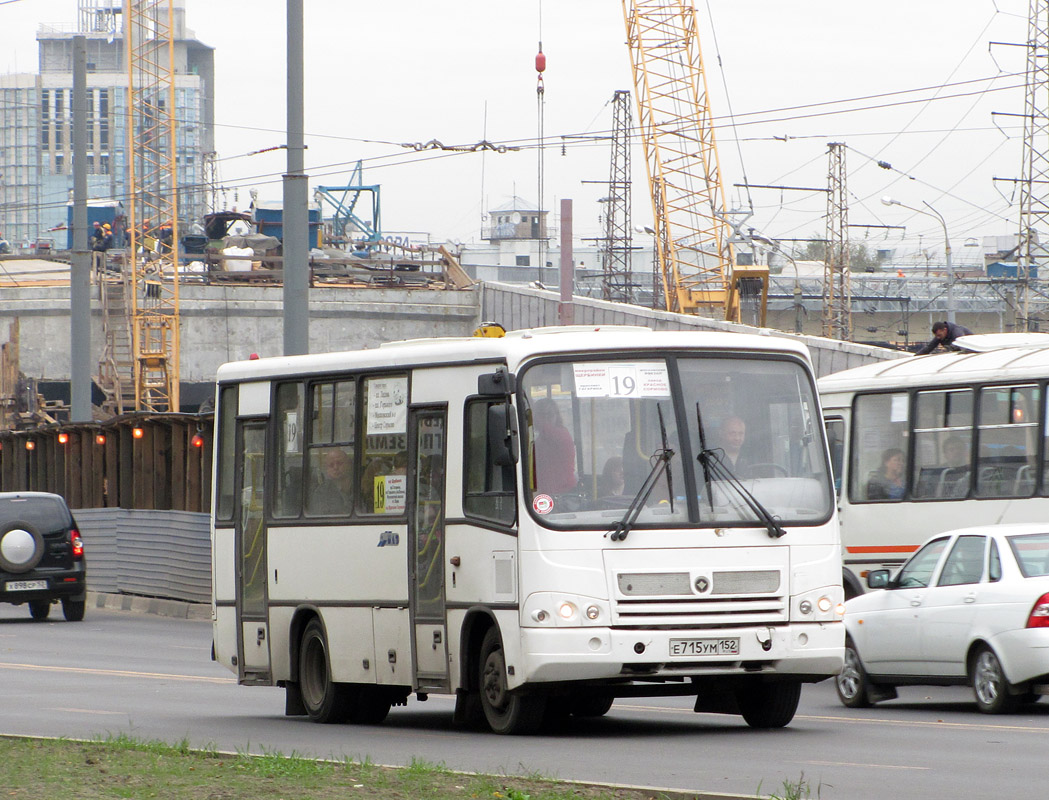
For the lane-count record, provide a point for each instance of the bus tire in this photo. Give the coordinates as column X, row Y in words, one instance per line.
column 592, row 705
column 990, row 687
column 324, row 700
column 769, row 705
column 506, row 712
column 851, row 584
column 852, row 684
column 371, row 706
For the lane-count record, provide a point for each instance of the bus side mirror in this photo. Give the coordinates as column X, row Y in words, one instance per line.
column 497, row 384
column 503, row 447
column 878, row 579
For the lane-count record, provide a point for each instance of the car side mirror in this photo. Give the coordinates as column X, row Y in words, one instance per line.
column 878, row 579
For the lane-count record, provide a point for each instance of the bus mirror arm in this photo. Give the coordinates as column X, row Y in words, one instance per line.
column 503, row 440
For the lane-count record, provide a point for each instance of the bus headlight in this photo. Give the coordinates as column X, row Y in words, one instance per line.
column 562, row 610
column 819, row 605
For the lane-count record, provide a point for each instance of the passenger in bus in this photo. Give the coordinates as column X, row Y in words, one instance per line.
column 731, row 435
column 887, row 483
column 612, row 483
column 943, row 335
column 554, row 450
column 333, row 493
column 955, row 452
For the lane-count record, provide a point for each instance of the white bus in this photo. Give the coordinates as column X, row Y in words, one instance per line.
column 965, row 432
column 521, row 523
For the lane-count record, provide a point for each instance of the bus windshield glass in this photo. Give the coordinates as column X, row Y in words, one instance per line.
column 595, row 429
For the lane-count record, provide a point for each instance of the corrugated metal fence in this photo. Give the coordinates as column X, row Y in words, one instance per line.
column 517, row 307
column 150, row 553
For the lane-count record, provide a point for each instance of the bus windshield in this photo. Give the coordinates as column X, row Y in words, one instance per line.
column 594, row 429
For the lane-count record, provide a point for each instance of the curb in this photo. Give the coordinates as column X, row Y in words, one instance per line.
column 180, row 609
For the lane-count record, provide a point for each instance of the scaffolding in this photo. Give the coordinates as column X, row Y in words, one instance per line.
column 616, row 278
column 837, row 302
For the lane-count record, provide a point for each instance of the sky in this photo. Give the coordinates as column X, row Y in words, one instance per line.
column 915, row 84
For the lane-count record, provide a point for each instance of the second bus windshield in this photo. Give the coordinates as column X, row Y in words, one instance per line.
column 593, row 432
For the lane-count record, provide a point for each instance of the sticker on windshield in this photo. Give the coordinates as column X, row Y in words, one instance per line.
column 542, row 504
column 598, row 379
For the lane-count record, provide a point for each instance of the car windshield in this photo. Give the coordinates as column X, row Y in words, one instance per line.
column 45, row 513
column 1032, row 553
column 593, row 429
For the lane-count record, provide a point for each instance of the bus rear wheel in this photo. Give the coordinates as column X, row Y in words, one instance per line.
column 324, row 700
column 769, row 705
column 505, row 711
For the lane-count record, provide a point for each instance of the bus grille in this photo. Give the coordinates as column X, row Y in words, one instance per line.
column 730, row 598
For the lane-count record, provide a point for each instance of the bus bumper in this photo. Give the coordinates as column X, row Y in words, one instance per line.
column 811, row 651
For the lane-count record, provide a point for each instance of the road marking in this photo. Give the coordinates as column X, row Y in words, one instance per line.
column 123, row 673
column 91, row 711
column 860, row 764
column 969, row 726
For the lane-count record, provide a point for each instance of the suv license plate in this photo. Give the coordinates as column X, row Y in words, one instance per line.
column 24, row 586
column 704, row 647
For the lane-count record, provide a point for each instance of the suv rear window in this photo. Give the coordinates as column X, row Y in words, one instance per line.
column 47, row 514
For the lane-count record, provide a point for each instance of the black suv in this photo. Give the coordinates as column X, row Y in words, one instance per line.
column 41, row 555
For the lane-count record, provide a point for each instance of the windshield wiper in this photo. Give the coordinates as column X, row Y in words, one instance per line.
column 662, row 464
column 716, row 469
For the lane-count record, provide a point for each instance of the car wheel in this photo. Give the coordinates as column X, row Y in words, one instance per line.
column 506, row 711
column 851, row 683
column 21, row 546
column 73, row 610
column 39, row 609
column 769, row 705
column 324, row 700
column 989, row 684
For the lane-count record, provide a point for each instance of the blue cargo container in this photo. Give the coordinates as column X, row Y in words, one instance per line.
column 269, row 220
column 102, row 213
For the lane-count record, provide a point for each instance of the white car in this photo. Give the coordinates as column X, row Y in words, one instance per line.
column 970, row 607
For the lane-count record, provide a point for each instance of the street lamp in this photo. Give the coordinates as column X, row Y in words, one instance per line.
column 932, row 212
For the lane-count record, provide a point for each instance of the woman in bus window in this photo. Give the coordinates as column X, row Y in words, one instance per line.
column 888, row 483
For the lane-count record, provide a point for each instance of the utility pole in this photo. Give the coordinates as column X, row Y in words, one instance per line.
column 616, row 279
column 837, row 294
column 295, row 219
column 1033, row 254
column 80, row 266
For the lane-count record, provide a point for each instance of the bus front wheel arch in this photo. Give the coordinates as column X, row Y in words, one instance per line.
column 507, row 712
column 851, row 584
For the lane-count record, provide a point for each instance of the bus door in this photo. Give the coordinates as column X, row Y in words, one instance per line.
column 426, row 534
column 253, row 647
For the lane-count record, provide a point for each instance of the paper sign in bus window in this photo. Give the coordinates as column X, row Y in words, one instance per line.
column 621, row 380
column 387, row 405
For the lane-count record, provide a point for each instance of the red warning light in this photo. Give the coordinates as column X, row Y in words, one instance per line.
column 63, row 438
column 197, row 440
column 100, row 438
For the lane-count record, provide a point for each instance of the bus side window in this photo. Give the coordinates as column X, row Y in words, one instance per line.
column 835, row 427
column 489, row 489
column 225, row 470
column 384, row 457
column 879, row 429
column 287, row 489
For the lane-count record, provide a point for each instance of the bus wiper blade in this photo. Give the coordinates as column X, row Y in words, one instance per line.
column 704, row 458
column 716, row 468
column 662, row 462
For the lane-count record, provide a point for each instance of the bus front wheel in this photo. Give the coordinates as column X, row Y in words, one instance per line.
column 769, row 705
column 324, row 700
column 505, row 711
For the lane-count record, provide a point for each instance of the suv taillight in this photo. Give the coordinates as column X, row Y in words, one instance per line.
column 1039, row 617
column 78, row 544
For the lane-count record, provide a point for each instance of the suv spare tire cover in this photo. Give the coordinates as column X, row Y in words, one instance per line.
column 21, row 546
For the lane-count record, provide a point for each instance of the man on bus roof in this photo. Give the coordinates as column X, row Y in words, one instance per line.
column 943, row 335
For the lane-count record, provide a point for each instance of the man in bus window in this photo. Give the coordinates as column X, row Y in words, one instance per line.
column 943, row 335
column 334, row 493
column 731, row 435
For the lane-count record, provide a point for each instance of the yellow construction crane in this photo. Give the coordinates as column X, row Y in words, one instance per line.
column 152, row 264
column 693, row 244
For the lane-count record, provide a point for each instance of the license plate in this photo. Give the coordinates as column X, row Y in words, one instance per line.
column 704, row 647
column 24, row 586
